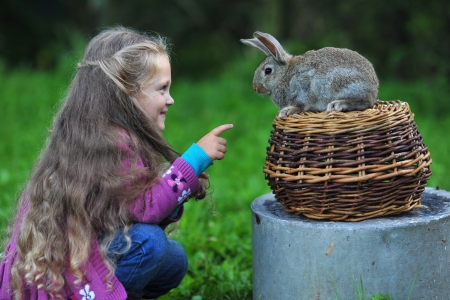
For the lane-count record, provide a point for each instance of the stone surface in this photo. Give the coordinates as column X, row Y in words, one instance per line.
column 299, row 258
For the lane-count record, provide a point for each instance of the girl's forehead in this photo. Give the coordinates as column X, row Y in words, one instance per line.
column 162, row 65
column 161, row 62
column 159, row 68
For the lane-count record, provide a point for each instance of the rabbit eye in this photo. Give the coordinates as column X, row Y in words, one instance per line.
column 268, row 71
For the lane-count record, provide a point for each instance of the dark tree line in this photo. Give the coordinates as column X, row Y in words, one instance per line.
column 403, row 39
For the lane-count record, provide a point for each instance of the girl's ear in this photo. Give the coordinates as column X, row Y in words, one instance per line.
column 273, row 47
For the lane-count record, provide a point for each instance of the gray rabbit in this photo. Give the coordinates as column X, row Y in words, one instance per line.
column 327, row 79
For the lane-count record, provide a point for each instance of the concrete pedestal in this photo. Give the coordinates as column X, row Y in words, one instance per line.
column 299, row 258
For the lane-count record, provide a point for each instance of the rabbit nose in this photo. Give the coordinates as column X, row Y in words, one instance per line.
column 259, row 88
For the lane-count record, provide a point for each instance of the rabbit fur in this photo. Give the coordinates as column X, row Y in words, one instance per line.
column 323, row 80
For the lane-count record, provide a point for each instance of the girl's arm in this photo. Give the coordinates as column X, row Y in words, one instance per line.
column 155, row 204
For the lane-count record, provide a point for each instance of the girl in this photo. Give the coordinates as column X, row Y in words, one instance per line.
column 90, row 220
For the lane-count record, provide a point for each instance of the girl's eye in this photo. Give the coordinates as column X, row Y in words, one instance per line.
column 164, row 87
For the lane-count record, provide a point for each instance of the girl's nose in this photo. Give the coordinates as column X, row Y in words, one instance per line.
column 170, row 101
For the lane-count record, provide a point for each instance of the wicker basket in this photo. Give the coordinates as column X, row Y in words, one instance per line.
column 348, row 166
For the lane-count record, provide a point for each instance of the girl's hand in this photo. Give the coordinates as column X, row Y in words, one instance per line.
column 213, row 144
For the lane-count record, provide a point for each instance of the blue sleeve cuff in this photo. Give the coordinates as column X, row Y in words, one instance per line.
column 197, row 158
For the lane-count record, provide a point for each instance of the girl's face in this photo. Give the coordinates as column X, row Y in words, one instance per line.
column 156, row 99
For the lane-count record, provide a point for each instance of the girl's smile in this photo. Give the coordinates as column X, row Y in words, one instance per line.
column 155, row 97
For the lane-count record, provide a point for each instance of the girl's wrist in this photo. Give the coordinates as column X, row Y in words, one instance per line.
column 197, row 158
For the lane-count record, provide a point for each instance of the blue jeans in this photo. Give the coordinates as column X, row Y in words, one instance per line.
column 152, row 266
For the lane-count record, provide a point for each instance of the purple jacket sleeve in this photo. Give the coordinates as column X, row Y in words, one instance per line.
column 154, row 205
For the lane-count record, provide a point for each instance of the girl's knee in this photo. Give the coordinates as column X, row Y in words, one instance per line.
column 137, row 265
column 177, row 252
column 170, row 274
column 151, row 240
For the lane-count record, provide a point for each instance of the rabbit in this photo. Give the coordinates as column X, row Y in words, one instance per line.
column 323, row 80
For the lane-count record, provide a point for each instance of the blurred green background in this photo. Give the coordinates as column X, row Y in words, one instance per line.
column 41, row 41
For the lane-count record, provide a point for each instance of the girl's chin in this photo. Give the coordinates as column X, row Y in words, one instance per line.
column 161, row 125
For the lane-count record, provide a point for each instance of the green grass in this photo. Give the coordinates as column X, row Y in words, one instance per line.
column 216, row 234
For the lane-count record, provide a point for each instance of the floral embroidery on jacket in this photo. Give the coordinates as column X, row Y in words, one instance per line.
column 167, row 172
column 176, row 182
column 87, row 295
column 184, row 195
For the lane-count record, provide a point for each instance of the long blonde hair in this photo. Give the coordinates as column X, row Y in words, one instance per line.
column 76, row 190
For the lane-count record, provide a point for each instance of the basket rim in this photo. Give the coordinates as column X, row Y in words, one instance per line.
column 383, row 115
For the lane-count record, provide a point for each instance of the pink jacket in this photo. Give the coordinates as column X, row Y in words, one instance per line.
column 152, row 205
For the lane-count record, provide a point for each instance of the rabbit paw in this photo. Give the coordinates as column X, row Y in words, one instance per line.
column 338, row 105
column 288, row 110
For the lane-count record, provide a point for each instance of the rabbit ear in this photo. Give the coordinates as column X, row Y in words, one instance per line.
column 258, row 45
column 273, row 46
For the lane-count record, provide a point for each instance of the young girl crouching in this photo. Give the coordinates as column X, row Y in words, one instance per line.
column 90, row 221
